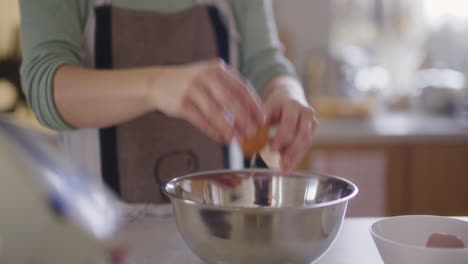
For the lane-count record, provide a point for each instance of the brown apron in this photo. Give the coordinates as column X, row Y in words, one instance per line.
column 140, row 155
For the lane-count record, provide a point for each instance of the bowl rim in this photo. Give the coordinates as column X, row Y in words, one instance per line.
column 387, row 219
column 260, row 208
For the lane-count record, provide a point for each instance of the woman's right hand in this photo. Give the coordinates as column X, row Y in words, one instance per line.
column 211, row 96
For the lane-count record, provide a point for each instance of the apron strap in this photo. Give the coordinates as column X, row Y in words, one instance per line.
column 230, row 22
column 89, row 37
column 235, row 152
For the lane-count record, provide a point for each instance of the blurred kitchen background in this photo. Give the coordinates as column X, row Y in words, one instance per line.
column 388, row 81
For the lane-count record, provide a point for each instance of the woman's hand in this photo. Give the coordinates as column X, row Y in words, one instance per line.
column 211, row 96
column 287, row 109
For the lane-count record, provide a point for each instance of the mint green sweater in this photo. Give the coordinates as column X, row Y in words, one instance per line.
column 52, row 32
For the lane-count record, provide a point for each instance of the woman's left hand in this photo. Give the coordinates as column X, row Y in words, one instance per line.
column 287, row 109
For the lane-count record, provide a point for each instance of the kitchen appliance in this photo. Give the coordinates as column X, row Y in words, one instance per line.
column 441, row 90
column 258, row 216
column 402, row 239
column 51, row 212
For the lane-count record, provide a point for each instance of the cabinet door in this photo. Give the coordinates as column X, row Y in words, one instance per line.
column 364, row 166
column 439, row 180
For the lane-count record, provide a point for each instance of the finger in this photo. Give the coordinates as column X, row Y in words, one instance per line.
column 214, row 112
column 243, row 90
column 244, row 124
column 198, row 118
column 272, row 113
column 300, row 145
column 287, row 127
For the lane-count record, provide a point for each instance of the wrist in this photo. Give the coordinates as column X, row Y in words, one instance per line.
column 284, row 86
column 155, row 79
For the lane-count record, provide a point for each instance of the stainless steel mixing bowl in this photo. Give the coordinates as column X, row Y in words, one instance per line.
column 229, row 217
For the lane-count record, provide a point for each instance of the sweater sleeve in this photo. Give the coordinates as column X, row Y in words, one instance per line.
column 261, row 52
column 51, row 33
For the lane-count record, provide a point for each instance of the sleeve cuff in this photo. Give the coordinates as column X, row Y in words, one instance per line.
column 37, row 80
column 271, row 72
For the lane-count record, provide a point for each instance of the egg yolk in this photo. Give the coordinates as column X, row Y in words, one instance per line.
column 252, row 145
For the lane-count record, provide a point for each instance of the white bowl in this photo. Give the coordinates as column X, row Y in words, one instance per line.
column 402, row 239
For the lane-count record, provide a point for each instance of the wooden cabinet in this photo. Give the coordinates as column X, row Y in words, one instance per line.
column 396, row 179
column 438, row 179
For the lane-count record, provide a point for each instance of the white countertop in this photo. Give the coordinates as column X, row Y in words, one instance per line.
column 394, row 127
column 156, row 240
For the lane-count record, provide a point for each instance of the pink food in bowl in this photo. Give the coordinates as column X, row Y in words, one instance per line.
column 437, row 240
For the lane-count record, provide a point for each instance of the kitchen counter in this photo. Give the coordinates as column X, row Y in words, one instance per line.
column 156, row 240
column 393, row 127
